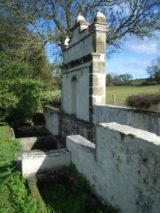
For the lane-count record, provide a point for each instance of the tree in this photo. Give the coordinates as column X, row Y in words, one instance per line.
column 154, row 70
column 109, row 80
column 54, row 19
column 23, row 78
column 123, row 79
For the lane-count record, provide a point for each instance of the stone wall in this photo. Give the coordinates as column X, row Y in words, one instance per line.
column 37, row 161
column 52, row 120
column 125, row 169
column 128, row 168
column 83, row 151
column 82, row 105
column 70, row 125
column 149, row 121
column 59, row 123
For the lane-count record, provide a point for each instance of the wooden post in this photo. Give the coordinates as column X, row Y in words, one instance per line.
column 114, row 100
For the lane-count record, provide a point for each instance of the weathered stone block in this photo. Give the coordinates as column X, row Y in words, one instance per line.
column 34, row 162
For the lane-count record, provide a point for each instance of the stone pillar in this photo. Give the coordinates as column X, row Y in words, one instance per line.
column 98, row 69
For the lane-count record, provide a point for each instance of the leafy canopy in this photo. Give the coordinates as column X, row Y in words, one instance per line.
column 25, row 77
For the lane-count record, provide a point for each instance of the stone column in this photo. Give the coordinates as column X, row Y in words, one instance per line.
column 98, row 69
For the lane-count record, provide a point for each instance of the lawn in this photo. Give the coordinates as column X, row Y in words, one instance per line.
column 14, row 196
column 122, row 92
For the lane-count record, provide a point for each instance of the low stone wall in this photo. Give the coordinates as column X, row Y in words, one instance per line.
column 34, row 162
column 59, row 123
column 52, row 120
column 82, row 155
column 125, row 169
column 128, row 168
column 149, row 121
column 70, row 125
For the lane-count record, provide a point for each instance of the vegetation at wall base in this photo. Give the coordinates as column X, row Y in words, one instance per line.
column 67, row 191
column 14, row 196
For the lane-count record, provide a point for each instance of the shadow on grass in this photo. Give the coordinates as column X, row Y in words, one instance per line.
column 67, row 192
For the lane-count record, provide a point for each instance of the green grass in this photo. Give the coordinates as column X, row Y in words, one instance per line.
column 4, row 133
column 69, row 192
column 14, row 196
column 122, row 92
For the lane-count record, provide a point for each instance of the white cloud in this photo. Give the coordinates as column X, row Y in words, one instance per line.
column 147, row 47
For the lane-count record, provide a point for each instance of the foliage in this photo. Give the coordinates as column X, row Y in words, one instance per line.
column 4, row 133
column 54, row 19
column 55, row 101
column 123, row 79
column 122, row 92
column 25, row 77
column 143, row 100
column 14, row 196
column 70, row 193
column 109, row 79
column 154, row 70
column 56, row 83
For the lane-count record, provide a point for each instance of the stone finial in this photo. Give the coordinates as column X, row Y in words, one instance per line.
column 80, row 18
column 66, row 41
column 100, row 17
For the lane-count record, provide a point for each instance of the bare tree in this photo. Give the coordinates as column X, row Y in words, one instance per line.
column 53, row 19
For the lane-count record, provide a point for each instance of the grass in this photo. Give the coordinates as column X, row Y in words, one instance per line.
column 69, row 192
column 122, row 92
column 14, row 196
column 4, row 133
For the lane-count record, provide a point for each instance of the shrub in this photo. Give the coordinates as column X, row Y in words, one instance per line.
column 29, row 95
column 55, row 101
column 143, row 100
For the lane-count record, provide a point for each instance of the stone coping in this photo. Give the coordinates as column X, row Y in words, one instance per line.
column 35, row 153
column 52, row 108
column 138, row 110
column 78, row 139
column 132, row 132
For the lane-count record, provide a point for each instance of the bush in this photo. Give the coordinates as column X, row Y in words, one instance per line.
column 55, row 101
column 29, row 95
column 143, row 100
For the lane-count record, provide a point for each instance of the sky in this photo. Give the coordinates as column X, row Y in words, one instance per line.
column 134, row 57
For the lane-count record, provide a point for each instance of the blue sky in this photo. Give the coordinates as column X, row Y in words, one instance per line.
column 134, row 57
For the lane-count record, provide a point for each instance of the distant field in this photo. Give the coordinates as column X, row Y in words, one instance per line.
column 122, row 92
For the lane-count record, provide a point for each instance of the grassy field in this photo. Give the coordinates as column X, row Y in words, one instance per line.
column 122, row 92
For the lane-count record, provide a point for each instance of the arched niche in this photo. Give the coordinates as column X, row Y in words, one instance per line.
column 74, row 94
